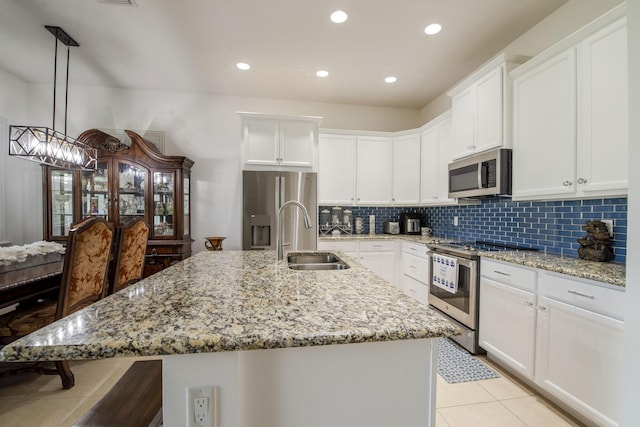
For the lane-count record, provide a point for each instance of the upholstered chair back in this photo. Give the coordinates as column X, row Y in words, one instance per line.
column 86, row 265
column 130, row 250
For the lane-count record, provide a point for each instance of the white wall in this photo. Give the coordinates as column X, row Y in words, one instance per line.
column 631, row 409
column 569, row 18
column 205, row 128
column 20, row 180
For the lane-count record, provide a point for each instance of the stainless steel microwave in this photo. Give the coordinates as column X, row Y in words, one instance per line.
column 481, row 175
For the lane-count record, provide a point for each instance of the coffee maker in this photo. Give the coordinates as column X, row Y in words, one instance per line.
column 409, row 223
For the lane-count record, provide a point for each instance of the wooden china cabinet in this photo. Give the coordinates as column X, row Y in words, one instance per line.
column 129, row 183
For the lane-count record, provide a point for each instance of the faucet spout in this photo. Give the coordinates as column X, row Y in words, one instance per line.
column 307, row 224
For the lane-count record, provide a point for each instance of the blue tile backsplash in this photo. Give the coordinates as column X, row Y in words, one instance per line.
column 553, row 226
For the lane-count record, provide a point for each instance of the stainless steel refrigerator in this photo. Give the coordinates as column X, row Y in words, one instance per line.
column 264, row 192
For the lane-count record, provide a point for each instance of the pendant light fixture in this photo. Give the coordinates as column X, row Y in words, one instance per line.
column 46, row 145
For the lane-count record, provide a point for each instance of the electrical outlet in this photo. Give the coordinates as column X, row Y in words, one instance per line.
column 609, row 223
column 455, row 221
column 202, row 408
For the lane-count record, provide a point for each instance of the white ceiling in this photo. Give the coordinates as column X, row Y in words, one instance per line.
column 193, row 45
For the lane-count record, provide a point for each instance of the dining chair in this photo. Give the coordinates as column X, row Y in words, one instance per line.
column 129, row 253
column 84, row 281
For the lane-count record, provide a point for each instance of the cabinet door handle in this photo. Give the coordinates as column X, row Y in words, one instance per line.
column 501, row 273
column 413, row 249
column 412, row 266
column 542, row 308
column 528, row 304
column 582, row 295
column 582, row 181
column 567, row 183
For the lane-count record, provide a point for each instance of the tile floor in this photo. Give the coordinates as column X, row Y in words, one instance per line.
column 37, row 400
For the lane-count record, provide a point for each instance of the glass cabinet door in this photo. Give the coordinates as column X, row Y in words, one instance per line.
column 61, row 202
column 131, row 192
column 187, row 215
column 164, row 221
column 95, row 192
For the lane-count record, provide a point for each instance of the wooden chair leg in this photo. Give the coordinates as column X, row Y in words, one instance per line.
column 65, row 373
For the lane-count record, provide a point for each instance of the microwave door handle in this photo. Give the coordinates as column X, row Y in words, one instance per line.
column 483, row 180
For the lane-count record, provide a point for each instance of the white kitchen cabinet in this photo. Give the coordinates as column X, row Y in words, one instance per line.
column 279, row 141
column 579, row 351
column 406, row 169
column 374, row 170
column 508, row 315
column 436, row 150
column 481, row 108
column 562, row 333
column 337, row 169
column 570, row 116
column 379, row 256
column 355, row 169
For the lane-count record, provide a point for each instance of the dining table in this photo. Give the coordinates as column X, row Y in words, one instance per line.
column 28, row 283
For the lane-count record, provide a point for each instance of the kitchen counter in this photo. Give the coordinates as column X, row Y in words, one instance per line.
column 606, row 272
column 204, row 314
column 227, row 301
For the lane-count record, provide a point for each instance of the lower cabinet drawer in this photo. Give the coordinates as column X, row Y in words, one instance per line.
column 597, row 298
column 415, row 289
column 415, row 267
column 377, row 245
column 510, row 274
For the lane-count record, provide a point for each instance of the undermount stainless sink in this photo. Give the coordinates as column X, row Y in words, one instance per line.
column 316, row 261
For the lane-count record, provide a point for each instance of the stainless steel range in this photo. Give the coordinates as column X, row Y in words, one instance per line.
column 454, row 284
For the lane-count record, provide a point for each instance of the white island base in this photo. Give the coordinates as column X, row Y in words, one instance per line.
column 376, row 384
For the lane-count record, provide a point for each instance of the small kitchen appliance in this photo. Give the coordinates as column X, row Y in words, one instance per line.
column 409, row 223
column 392, row 227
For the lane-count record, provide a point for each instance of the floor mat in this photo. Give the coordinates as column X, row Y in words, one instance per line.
column 456, row 365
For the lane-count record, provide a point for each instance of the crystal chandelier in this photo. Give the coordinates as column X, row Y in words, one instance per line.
column 46, row 145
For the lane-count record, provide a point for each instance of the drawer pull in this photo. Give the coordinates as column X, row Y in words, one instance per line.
column 501, row 273
column 412, row 266
column 377, row 246
column 413, row 249
column 582, row 295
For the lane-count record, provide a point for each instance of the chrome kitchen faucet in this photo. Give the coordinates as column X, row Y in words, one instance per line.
column 307, row 224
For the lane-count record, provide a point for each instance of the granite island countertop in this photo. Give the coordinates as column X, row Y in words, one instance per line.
column 606, row 272
column 234, row 300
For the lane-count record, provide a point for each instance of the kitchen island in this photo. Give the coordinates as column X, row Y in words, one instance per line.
column 265, row 337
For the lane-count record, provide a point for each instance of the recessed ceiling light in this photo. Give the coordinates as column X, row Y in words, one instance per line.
column 243, row 66
column 339, row 16
column 390, row 79
column 322, row 73
column 432, row 29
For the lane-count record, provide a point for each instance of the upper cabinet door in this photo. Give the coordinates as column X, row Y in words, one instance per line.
column 545, row 128
column 374, row 170
column 463, row 108
column 406, row 170
column 297, row 143
column 261, row 141
column 429, row 186
column 489, row 115
column 602, row 111
column 337, row 169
